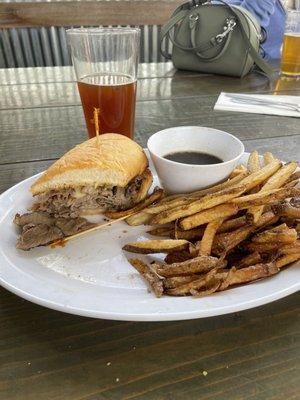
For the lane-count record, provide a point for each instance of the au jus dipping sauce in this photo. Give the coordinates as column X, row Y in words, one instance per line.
column 193, row 157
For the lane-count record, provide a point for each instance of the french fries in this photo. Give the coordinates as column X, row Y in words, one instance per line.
column 225, row 242
column 293, row 248
column 249, row 274
column 293, row 183
column 240, row 169
column 276, row 235
column 229, row 241
column 286, row 259
column 178, row 256
column 196, row 284
column 175, row 281
column 295, row 176
column 141, row 218
column 287, row 210
column 268, row 157
column 151, row 277
column 192, row 234
column 204, row 203
column 265, row 198
column 241, row 230
column 212, row 288
column 221, row 186
column 261, row 248
column 253, row 165
column 169, row 231
column 197, row 233
column 268, row 218
column 177, row 202
column 253, row 162
column 156, row 246
column 254, row 197
column 280, row 177
column 295, row 202
column 274, row 182
column 152, row 198
column 258, row 177
column 222, row 280
column 231, row 224
column 172, row 202
column 203, row 217
column 208, row 237
column 162, row 231
column 251, row 259
column 195, row 265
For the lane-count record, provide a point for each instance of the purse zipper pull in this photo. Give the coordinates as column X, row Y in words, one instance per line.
column 231, row 23
column 193, row 18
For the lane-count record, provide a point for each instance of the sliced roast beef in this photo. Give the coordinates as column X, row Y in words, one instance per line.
column 34, row 218
column 38, row 235
column 73, row 202
column 39, row 228
column 72, row 226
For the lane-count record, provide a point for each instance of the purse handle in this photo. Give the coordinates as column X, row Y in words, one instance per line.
column 180, row 14
column 218, row 39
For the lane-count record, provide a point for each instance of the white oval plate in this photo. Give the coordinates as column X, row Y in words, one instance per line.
column 91, row 276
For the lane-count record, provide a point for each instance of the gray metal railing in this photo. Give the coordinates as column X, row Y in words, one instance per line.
column 37, row 47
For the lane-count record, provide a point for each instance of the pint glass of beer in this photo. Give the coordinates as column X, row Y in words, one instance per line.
column 106, row 62
column 290, row 61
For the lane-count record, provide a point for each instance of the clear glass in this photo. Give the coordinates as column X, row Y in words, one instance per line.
column 106, row 63
column 290, row 60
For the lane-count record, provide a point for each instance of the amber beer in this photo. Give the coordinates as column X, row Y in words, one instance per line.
column 106, row 62
column 114, row 95
column 290, row 63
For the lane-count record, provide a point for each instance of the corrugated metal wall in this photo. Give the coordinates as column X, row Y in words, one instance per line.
column 35, row 47
column 48, row 47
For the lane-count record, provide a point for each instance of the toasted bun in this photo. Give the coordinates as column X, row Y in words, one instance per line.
column 110, row 159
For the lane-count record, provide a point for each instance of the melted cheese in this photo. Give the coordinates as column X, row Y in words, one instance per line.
column 78, row 193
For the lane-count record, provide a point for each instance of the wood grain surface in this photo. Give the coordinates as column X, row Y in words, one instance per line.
column 48, row 132
column 91, row 13
column 66, row 93
column 48, row 355
column 57, row 86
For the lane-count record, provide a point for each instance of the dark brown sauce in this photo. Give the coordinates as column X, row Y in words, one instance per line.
column 193, row 157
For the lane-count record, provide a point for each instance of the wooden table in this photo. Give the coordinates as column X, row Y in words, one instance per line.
column 48, row 355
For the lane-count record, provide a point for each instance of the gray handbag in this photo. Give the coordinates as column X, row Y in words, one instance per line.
column 214, row 38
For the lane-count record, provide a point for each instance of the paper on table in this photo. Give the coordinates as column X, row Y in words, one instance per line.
column 224, row 103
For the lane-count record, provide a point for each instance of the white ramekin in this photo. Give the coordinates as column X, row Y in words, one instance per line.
column 183, row 178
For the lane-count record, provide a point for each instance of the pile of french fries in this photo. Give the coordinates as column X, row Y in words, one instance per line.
column 238, row 231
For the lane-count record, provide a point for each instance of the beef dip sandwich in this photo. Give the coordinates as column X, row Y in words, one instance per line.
column 106, row 173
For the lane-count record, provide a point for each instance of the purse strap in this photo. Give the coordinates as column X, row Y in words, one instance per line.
column 181, row 12
column 256, row 57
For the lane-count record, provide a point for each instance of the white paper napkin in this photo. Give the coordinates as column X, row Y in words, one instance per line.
column 224, row 103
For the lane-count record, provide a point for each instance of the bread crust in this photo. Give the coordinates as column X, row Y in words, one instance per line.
column 111, row 159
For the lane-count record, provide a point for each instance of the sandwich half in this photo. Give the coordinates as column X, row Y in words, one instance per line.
column 101, row 174
column 106, row 173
